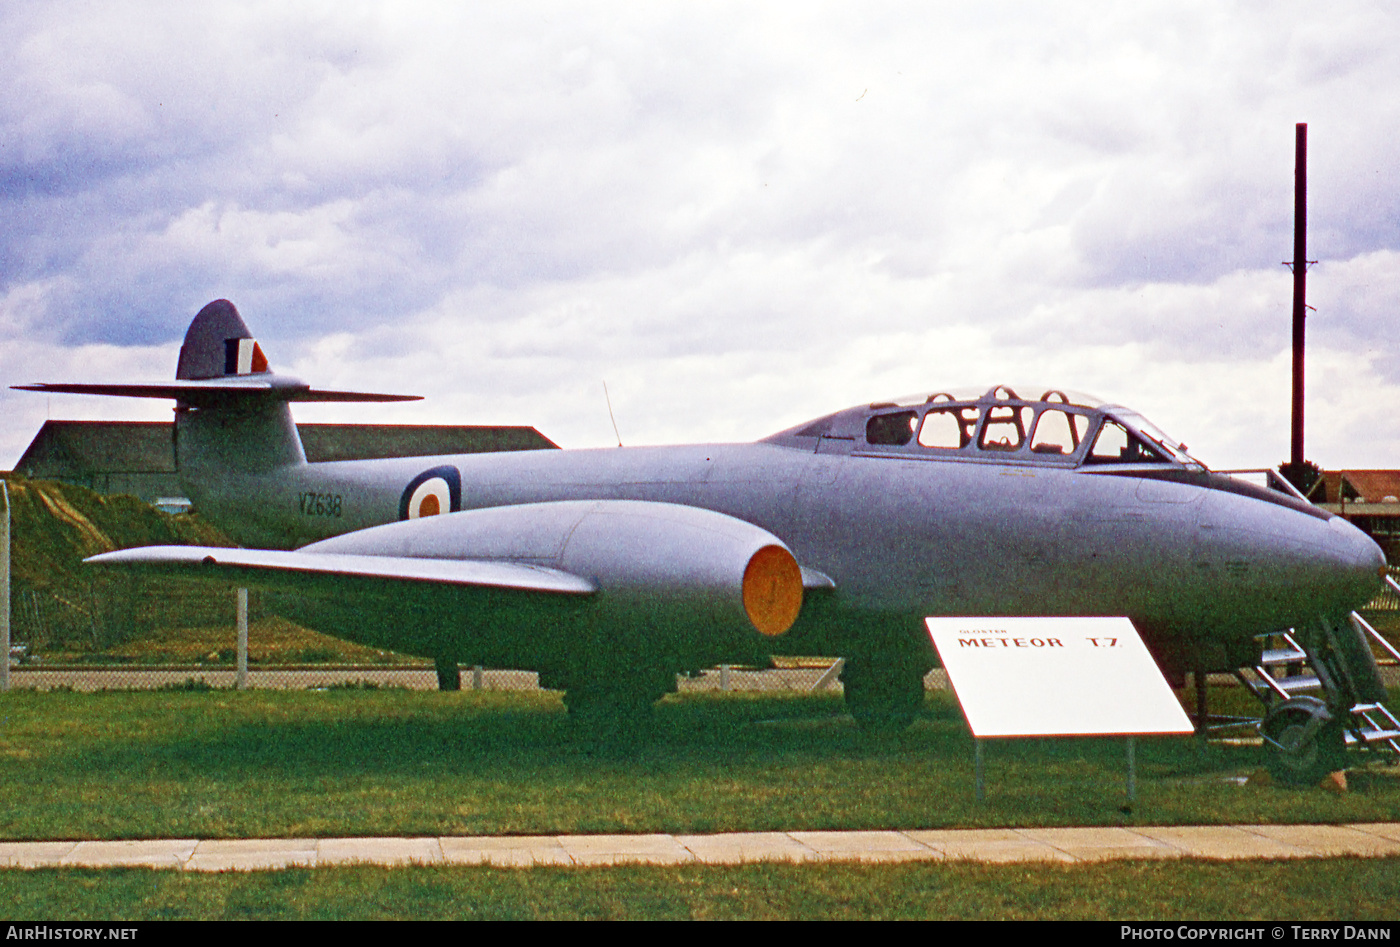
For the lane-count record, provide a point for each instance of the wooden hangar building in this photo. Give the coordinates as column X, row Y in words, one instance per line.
column 138, row 457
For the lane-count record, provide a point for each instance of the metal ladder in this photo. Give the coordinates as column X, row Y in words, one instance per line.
column 1285, row 671
column 1381, row 728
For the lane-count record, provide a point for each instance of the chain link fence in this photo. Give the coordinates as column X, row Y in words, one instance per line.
column 38, row 676
column 96, row 635
column 101, row 637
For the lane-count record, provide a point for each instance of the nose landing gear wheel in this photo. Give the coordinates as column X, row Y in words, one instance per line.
column 1304, row 743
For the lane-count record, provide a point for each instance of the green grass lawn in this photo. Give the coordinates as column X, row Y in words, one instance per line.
column 1337, row 889
column 224, row 764
column 378, row 762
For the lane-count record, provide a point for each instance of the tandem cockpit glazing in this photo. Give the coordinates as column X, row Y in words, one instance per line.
column 1051, row 426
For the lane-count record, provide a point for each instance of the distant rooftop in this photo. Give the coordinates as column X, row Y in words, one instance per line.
column 1357, row 486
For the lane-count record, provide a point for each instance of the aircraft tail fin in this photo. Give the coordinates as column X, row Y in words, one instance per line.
column 227, row 432
column 232, row 411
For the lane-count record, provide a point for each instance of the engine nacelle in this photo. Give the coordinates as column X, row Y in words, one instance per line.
column 656, row 565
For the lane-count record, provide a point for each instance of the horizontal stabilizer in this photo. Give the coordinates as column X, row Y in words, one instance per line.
column 220, row 361
column 247, row 565
column 271, row 387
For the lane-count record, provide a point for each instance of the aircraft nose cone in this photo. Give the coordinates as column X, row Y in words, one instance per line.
column 1361, row 560
column 1332, row 569
column 1269, row 566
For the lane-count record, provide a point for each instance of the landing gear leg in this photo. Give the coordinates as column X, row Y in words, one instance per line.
column 449, row 675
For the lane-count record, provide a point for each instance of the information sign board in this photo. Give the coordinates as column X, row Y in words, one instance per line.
column 1034, row 677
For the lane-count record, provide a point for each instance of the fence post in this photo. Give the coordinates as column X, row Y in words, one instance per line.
column 829, row 675
column 5, row 589
column 476, row 677
column 241, row 681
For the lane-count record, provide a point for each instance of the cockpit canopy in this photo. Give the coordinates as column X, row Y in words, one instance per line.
column 1050, row 426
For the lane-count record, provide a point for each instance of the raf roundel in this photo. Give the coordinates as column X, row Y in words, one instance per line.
column 430, row 499
column 431, row 493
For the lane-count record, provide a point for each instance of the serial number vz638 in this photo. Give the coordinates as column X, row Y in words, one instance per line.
column 320, row 504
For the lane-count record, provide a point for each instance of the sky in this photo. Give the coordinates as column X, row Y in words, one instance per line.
column 736, row 216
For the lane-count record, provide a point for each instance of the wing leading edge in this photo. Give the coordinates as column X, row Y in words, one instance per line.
column 275, row 567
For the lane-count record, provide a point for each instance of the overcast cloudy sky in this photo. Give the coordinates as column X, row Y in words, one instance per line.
column 739, row 216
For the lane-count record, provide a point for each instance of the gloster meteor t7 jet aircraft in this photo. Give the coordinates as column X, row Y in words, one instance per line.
column 609, row 571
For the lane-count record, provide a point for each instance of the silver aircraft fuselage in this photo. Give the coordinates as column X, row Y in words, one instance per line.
column 1199, row 561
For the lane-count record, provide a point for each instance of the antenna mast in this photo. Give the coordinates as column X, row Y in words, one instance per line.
column 610, row 412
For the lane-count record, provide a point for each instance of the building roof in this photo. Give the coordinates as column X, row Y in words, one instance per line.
column 82, row 448
column 1361, row 486
column 323, row 442
column 85, row 447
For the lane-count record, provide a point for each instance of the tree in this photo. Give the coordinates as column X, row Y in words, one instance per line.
column 1303, row 476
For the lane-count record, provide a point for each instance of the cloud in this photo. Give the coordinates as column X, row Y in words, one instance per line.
column 739, row 216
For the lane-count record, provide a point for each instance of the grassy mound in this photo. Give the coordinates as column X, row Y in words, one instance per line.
column 58, row 604
column 67, row 612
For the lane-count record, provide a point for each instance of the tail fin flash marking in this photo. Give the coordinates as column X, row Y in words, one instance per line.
column 205, row 353
column 244, row 357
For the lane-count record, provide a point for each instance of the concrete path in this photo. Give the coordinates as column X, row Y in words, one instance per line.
column 1069, row 846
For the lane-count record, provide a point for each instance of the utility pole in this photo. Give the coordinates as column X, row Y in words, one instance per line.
column 1300, row 285
column 1296, row 470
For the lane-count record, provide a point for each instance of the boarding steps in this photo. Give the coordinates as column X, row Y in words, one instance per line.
column 1286, row 671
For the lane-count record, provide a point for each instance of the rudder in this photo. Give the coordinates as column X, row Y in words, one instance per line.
column 219, row 344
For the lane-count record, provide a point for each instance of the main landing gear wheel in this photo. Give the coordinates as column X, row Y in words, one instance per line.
column 1303, row 741
column 882, row 699
column 585, row 703
column 615, row 711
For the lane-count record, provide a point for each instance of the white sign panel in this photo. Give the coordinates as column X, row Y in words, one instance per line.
column 1041, row 677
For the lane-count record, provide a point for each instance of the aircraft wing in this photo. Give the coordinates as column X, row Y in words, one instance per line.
column 670, row 575
column 232, row 565
column 274, row 567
